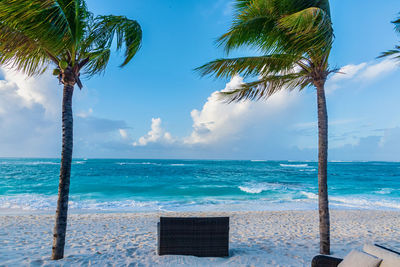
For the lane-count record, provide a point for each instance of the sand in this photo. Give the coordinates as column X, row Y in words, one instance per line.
column 280, row 238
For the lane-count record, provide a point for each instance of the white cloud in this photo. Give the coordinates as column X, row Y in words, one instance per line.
column 220, row 122
column 35, row 90
column 123, row 133
column 217, row 119
column 364, row 72
column 85, row 114
column 28, row 115
column 376, row 70
column 30, row 120
column 348, row 72
column 156, row 135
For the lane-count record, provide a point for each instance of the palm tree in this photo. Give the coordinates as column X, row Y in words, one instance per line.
column 295, row 39
column 35, row 34
column 396, row 51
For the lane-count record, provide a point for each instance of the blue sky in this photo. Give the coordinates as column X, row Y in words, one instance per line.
column 158, row 107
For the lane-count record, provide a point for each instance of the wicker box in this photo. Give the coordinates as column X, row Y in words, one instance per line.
column 196, row 236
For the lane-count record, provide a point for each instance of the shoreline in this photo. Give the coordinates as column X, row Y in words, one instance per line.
column 71, row 212
column 257, row 238
column 19, row 212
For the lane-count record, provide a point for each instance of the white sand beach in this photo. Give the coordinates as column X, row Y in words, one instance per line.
column 280, row 238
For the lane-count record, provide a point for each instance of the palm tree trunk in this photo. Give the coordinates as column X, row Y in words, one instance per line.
column 324, row 223
column 65, row 174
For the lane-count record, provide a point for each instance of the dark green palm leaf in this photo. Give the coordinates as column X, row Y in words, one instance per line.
column 308, row 28
column 397, row 25
column 394, row 53
column 35, row 33
column 259, row 24
column 267, row 86
column 97, row 61
column 249, row 66
column 294, row 36
column 42, row 20
column 25, row 54
column 105, row 28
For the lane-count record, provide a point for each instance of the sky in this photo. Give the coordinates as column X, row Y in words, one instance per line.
column 158, row 107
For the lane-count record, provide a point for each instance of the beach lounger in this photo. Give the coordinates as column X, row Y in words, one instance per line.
column 196, row 236
column 390, row 257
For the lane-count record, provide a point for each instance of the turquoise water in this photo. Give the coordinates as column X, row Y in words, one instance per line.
column 190, row 185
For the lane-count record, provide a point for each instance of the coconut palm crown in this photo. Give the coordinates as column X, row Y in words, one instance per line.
column 395, row 53
column 37, row 34
column 294, row 38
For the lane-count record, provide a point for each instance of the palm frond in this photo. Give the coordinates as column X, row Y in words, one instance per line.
column 42, row 20
column 397, row 25
column 20, row 52
column 273, row 26
column 295, row 37
column 128, row 34
column 241, row 4
column 308, row 29
column 394, row 53
column 250, row 26
column 78, row 17
column 35, row 33
column 249, row 66
column 266, row 86
column 97, row 61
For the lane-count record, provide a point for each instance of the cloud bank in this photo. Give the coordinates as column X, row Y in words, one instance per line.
column 156, row 135
column 221, row 130
column 363, row 72
column 30, row 120
column 283, row 127
column 271, row 129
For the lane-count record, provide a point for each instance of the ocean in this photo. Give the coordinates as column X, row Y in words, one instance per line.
column 121, row 185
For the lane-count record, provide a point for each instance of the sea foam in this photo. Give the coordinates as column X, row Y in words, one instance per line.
column 294, row 165
column 257, row 188
column 357, row 203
